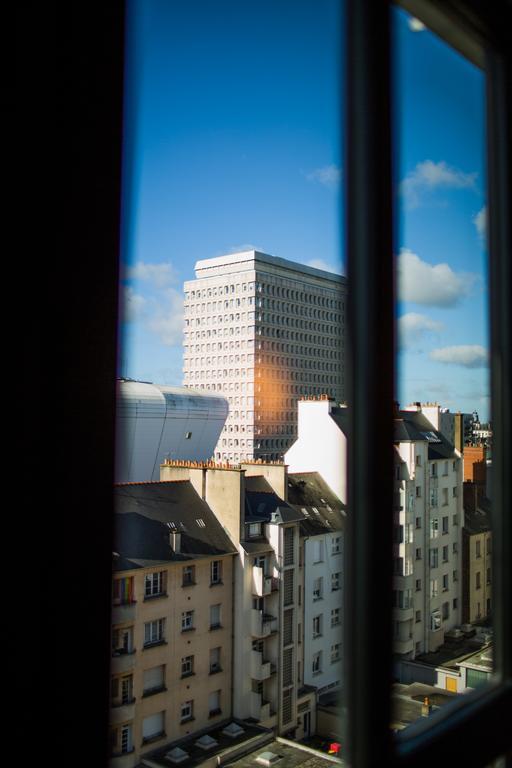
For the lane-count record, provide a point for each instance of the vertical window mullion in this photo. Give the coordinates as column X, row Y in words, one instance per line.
column 370, row 368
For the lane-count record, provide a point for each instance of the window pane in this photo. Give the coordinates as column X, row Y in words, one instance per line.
column 443, row 422
column 233, row 335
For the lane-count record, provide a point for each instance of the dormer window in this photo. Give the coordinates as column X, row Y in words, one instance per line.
column 254, row 529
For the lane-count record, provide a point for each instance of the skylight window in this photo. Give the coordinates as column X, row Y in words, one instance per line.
column 431, row 437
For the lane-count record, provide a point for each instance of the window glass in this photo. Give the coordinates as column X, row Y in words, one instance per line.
column 443, row 403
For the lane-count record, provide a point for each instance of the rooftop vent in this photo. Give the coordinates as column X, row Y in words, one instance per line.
column 233, row 730
column 176, row 755
column 267, row 758
column 206, row 742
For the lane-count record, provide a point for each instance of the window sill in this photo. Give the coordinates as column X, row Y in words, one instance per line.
column 216, row 583
column 187, row 674
column 188, row 629
column 148, row 598
column 213, row 627
column 153, row 691
column 187, row 720
column 154, row 737
column 154, row 644
column 188, row 584
column 214, row 713
column 215, row 671
column 127, row 703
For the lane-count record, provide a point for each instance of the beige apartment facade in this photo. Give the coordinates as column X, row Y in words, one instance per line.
column 477, row 565
column 171, row 620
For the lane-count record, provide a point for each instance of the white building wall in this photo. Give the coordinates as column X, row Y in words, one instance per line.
column 329, row 607
column 155, row 423
column 432, row 563
column 320, row 446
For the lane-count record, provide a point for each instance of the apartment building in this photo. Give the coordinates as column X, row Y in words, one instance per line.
column 428, row 535
column 171, row 618
column 263, row 331
column 428, row 515
column 322, row 541
column 477, row 562
column 250, row 503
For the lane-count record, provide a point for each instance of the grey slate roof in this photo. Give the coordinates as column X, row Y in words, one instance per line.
column 147, row 513
column 413, row 426
column 324, row 510
column 479, row 520
column 262, row 504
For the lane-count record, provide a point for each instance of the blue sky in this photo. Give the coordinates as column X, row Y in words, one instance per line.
column 233, row 140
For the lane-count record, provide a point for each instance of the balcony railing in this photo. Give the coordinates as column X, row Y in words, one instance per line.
column 262, row 624
column 123, row 612
column 261, row 669
column 122, row 662
column 120, row 713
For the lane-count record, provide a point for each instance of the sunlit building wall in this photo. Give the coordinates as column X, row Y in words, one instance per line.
column 155, row 423
column 263, row 331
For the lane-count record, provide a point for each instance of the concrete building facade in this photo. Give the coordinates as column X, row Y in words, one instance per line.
column 263, row 331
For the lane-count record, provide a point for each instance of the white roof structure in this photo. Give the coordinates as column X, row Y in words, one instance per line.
column 155, row 423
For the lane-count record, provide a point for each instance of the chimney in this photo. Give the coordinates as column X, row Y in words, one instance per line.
column 426, row 707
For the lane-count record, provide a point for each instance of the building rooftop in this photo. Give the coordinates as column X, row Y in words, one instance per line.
column 407, row 702
column 479, row 520
column 262, row 504
column 320, row 508
column 450, row 655
column 231, row 259
column 236, row 743
column 146, row 514
column 414, row 426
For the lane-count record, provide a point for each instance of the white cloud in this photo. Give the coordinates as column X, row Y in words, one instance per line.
column 480, row 221
column 167, row 318
column 321, row 264
column 466, row 355
column 415, row 25
column 160, row 275
column 242, row 248
column 428, row 176
column 133, row 305
column 328, row 175
column 413, row 327
column 434, row 285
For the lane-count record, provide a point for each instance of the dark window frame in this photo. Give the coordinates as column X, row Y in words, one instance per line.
column 79, row 49
column 479, row 33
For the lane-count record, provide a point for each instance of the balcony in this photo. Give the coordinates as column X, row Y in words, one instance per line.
column 260, row 669
column 403, row 614
column 258, row 707
column 262, row 624
column 262, row 585
column 123, row 612
column 120, row 713
column 122, row 662
column 403, row 646
column 123, row 760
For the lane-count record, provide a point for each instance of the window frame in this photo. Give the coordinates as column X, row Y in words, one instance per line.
column 479, row 33
column 90, row 116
